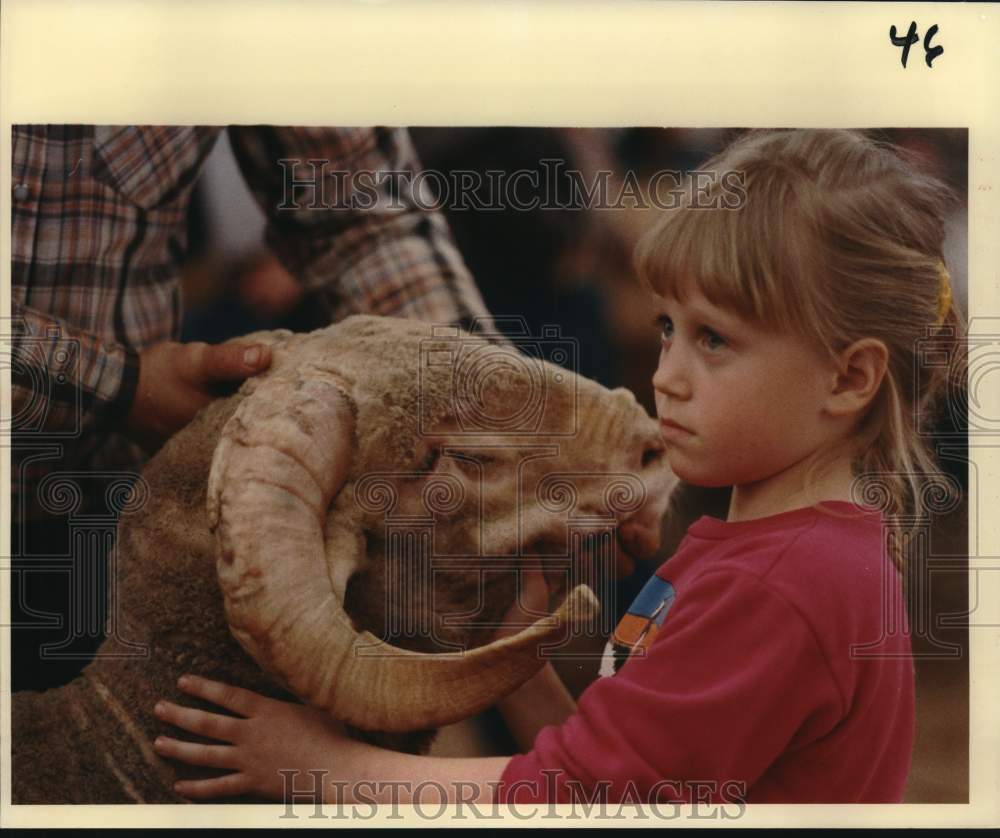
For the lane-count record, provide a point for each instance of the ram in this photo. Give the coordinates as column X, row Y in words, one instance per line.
column 346, row 530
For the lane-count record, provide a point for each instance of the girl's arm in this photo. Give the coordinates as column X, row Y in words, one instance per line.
column 543, row 699
column 539, row 702
column 273, row 748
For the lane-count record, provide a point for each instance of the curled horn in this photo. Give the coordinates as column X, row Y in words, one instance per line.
column 282, row 459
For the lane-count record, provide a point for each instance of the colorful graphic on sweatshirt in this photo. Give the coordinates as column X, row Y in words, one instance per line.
column 637, row 629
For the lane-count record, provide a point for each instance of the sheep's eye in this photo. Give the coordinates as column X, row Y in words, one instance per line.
column 431, row 461
column 651, row 455
column 472, row 463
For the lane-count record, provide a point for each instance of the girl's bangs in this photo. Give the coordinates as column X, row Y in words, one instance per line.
column 721, row 253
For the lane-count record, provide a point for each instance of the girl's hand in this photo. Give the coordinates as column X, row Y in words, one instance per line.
column 272, row 736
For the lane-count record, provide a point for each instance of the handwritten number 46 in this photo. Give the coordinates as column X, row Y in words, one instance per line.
column 911, row 37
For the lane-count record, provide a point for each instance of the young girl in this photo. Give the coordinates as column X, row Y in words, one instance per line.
column 765, row 660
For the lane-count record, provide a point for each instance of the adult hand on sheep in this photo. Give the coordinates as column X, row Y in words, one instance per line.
column 271, row 736
column 176, row 380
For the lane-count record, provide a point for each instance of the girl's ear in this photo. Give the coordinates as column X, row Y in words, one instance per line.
column 861, row 368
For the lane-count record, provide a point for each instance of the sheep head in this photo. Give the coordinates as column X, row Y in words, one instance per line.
column 376, row 424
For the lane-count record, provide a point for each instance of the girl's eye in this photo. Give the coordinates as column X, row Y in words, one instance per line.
column 713, row 340
column 665, row 325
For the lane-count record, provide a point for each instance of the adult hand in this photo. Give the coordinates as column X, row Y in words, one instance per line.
column 176, row 380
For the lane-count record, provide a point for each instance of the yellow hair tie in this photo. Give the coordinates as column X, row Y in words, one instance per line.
column 944, row 298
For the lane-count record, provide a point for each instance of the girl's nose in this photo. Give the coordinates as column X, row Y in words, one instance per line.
column 670, row 377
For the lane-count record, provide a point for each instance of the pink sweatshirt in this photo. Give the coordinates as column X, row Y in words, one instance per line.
column 766, row 661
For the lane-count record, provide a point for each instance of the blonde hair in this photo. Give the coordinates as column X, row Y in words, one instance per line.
column 834, row 236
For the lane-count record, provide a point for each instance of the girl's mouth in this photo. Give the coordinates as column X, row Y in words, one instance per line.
column 672, row 430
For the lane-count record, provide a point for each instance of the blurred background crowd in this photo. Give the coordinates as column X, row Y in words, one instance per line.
column 571, row 267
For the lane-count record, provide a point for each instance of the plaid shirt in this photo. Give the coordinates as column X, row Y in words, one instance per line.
column 97, row 242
